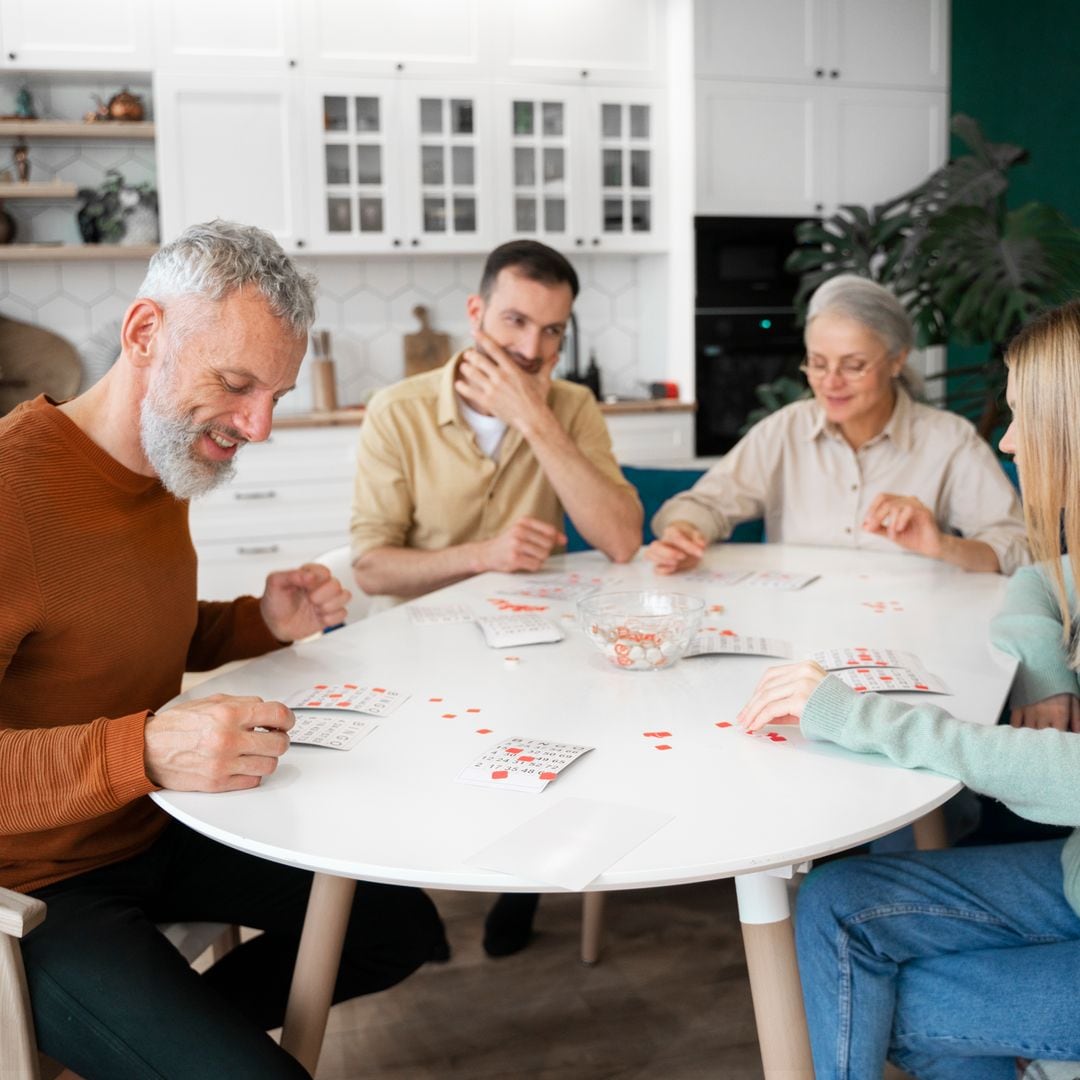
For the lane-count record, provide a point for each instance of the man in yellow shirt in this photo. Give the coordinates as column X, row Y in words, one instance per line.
column 469, row 467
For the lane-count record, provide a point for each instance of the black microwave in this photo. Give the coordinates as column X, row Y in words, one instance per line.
column 740, row 262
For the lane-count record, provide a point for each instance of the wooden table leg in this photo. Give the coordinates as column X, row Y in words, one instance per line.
column 592, row 926
column 316, row 967
column 774, row 977
column 929, row 830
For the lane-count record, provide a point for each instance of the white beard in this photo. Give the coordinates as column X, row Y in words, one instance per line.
column 168, row 441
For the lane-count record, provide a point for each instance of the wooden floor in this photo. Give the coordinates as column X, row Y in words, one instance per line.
column 669, row 999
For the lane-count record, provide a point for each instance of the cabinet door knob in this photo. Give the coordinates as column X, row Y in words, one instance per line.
column 13, row 56
column 579, row 241
column 396, row 242
column 819, row 73
column 292, row 63
column 399, row 66
column 414, row 242
column 584, row 73
column 834, row 74
column 596, row 241
column 819, row 206
column 299, row 243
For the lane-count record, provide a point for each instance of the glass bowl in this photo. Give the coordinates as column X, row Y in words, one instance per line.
column 641, row 631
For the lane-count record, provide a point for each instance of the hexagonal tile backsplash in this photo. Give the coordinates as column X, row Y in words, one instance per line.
column 366, row 304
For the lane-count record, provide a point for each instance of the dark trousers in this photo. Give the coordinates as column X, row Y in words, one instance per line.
column 113, row 1000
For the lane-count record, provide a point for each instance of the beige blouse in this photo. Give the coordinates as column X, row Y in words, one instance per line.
column 795, row 470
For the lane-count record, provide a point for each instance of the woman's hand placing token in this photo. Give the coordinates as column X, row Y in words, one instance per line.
column 781, row 695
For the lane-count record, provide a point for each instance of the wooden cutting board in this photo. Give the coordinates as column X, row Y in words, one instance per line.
column 427, row 348
column 35, row 361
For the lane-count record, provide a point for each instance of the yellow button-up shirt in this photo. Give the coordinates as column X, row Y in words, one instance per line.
column 422, row 481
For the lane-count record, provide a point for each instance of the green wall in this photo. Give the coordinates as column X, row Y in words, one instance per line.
column 1016, row 70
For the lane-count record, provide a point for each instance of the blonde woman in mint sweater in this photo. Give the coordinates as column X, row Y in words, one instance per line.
column 953, row 964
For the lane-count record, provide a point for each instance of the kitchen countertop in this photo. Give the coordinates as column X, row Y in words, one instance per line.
column 354, row 414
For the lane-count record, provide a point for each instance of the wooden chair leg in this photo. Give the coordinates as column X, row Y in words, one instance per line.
column 18, row 1050
column 228, row 941
column 930, row 832
column 592, row 926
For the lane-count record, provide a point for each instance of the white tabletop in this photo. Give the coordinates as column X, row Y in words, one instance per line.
column 390, row 810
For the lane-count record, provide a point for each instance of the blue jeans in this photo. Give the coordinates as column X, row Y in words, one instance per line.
column 949, row 963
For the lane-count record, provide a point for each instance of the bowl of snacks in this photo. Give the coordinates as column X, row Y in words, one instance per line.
column 641, row 631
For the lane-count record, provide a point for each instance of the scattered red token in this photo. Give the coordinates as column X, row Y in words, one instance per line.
column 777, row 738
column 434, row 699
column 921, row 686
column 526, row 757
column 449, row 715
column 723, row 723
column 499, row 774
column 350, row 686
column 320, row 686
column 663, row 746
column 378, row 689
column 657, row 734
column 513, row 749
column 472, row 710
column 548, row 775
column 483, row 731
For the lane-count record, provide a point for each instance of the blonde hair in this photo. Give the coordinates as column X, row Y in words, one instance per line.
column 1044, row 360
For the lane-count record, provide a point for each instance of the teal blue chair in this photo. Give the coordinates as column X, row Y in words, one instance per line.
column 655, row 487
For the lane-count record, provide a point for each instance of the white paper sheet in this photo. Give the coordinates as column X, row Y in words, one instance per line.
column 572, row 842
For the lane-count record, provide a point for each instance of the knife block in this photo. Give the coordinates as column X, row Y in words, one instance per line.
column 323, row 386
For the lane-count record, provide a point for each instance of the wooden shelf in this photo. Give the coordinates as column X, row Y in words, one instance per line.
column 39, row 190
column 74, row 129
column 73, row 252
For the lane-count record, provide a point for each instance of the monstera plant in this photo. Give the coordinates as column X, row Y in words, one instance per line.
column 968, row 269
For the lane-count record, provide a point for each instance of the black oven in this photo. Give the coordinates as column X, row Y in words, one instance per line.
column 745, row 328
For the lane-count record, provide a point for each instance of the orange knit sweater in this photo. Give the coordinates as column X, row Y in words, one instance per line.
column 98, row 622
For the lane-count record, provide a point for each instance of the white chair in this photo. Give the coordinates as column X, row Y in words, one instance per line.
column 19, row 1057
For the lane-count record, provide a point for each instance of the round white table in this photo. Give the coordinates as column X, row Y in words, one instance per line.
column 390, row 810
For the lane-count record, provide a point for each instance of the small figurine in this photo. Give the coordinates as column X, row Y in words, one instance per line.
column 123, row 105
column 24, row 104
column 21, row 154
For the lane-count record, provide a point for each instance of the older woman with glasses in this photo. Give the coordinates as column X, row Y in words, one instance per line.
column 861, row 464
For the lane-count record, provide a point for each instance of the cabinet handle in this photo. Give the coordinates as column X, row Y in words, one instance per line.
column 819, row 206
column 834, row 74
column 579, row 242
column 242, row 495
column 299, row 243
column 584, row 74
column 292, row 63
column 414, row 242
column 596, row 241
column 258, row 549
column 399, row 66
column 819, row 73
column 396, row 242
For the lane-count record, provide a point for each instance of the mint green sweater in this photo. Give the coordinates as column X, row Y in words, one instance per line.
column 1035, row 773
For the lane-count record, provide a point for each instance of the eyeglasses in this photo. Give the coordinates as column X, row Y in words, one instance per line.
column 850, row 370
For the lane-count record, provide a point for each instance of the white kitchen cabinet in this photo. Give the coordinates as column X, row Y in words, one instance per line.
column 601, row 41
column 581, row 167
column 790, row 148
column 407, row 37
column 400, row 165
column 236, row 37
column 288, row 503
column 230, row 147
column 873, row 43
column 652, row 438
column 72, row 35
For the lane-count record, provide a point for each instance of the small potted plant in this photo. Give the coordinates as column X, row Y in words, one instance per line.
column 118, row 212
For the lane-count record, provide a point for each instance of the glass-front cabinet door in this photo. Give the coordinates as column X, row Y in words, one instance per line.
column 624, row 147
column 539, row 181
column 447, row 194
column 354, row 178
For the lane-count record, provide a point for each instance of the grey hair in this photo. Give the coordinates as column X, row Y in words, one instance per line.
column 874, row 307
column 215, row 259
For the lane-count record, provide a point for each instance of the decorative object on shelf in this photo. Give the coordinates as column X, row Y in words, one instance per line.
column 427, row 348
column 118, row 212
column 123, row 105
column 323, row 385
column 7, row 227
column 968, row 269
column 21, row 156
column 24, row 104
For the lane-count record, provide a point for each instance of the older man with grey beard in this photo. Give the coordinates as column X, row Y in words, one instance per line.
column 100, row 620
